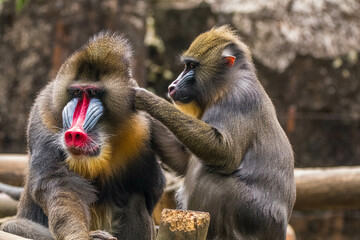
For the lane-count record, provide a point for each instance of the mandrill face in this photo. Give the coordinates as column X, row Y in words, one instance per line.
column 80, row 116
column 92, row 93
column 92, row 105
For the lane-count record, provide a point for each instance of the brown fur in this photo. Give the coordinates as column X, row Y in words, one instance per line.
column 76, row 192
column 236, row 159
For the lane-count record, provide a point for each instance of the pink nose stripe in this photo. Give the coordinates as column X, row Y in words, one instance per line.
column 76, row 136
column 80, row 111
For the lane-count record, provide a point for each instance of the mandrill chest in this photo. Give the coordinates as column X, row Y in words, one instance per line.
column 191, row 108
column 92, row 151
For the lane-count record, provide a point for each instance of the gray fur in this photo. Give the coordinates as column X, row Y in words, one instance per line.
column 241, row 164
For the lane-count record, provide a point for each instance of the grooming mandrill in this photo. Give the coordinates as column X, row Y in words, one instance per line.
column 236, row 159
column 91, row 164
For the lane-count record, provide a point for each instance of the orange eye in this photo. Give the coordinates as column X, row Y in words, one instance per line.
column 191, row 66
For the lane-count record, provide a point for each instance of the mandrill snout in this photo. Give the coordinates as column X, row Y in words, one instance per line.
column 75, row 137
column 172, row 90
column 172, row 87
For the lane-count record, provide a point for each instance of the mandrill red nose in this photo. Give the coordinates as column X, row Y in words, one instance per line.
column 75, row 137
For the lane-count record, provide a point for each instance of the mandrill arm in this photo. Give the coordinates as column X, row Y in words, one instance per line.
column 64, row 196
column 207, row 142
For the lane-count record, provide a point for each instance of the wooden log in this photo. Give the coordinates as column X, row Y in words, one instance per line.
column 8, row 206
column 8, row 236
column 183, row 224
column 12, row 168
column 328, row 188
column 317, row 188
column 13, row 191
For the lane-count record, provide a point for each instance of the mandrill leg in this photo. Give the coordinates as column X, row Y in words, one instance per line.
column 29, row 229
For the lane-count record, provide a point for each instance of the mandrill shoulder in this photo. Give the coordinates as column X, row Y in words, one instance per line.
column 42, row 112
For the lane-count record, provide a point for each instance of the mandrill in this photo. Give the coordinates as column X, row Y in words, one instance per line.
column 92, row 171
column 237, row 162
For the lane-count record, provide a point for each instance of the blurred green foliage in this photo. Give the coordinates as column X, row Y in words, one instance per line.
column 19, row 4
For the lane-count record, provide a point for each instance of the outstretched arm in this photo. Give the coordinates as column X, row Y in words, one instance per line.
column 202, row 139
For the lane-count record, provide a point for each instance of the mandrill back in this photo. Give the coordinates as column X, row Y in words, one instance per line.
column 92, row 172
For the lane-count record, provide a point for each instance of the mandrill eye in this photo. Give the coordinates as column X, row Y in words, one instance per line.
column 77, row 93
column 191, row 65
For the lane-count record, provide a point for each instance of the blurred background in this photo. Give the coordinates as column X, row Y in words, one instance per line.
column 306, row 53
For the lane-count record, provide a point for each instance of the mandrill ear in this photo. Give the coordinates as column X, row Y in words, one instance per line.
column 229, row 60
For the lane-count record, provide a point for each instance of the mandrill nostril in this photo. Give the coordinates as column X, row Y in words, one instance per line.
column 68, row 137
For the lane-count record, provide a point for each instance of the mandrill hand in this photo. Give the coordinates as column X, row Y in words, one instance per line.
column 140, row 102
column 146, row 100
column 101, row 235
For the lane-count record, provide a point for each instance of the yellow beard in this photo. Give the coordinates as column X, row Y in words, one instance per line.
column 91, row 167
column 191, row 108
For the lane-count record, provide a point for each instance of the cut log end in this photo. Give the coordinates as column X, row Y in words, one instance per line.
column 183, row 220
column 183, row 224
